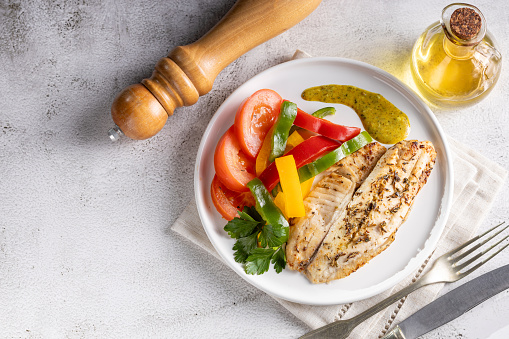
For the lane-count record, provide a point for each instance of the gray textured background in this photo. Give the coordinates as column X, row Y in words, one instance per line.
column 85, row 246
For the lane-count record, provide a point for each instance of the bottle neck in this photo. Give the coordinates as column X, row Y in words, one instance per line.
column 458, row 51
column 457, row 43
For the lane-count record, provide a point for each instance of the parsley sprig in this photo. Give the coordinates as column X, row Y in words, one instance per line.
column 250, row 230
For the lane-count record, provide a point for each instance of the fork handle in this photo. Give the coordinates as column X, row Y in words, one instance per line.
column 359, row 318
column 342, row 328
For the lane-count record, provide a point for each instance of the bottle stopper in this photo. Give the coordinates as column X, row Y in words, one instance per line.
column 465, row 23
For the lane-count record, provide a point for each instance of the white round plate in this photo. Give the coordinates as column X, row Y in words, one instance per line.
column 415, row 239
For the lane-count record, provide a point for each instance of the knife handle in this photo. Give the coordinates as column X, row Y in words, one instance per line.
column 342, row 328
column 140, row 111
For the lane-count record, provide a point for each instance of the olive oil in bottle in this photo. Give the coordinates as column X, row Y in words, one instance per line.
column 455, row 61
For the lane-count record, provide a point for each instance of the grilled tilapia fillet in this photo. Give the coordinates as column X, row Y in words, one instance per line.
column 381, row 204
column 326, row 202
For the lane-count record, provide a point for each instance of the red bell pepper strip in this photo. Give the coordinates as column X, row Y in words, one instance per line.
column 325, row 127
column 304, row 153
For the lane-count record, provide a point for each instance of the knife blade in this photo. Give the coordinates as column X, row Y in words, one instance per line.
column 452, row 304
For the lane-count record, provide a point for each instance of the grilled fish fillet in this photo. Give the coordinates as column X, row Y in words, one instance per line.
column 381, row 204
column 326, row 201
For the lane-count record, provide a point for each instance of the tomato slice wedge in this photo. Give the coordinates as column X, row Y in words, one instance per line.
column 254, row 118
column 228, row 202
column 232, row 166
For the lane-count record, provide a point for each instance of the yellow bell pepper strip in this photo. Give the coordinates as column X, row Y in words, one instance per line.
column 282, row 128
column 305, row 187
column 293, row 140
column 262, row 160
column 321, row 164
column 279, row 200
column 294, row 204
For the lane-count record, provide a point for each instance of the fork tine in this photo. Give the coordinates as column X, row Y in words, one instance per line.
column 482, row 262
column 468, row 262
column 459, row 248
column 461, row 256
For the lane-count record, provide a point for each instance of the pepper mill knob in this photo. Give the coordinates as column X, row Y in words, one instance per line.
column 140, row 111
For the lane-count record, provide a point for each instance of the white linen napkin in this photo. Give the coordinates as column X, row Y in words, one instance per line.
column 477, row 181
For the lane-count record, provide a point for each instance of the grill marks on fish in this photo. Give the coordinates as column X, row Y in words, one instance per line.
column 330, row 195
column 379, row 206
column 325, row 203
column 357, row 166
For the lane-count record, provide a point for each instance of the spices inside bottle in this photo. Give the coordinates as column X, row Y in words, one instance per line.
column 455, row 61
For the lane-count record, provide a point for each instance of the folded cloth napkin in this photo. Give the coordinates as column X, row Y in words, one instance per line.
column 477, row 181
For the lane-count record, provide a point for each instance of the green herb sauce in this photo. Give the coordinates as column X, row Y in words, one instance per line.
column 381, row 119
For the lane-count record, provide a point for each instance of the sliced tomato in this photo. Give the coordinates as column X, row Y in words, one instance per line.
column 232, row 166
column 254, row 118
column 228, row 202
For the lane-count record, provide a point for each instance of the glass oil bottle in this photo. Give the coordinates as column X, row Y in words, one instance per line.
column 455, row 62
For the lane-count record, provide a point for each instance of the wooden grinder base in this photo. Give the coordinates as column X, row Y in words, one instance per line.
column 140, row 111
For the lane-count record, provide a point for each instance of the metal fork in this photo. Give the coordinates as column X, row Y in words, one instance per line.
column 446, row 268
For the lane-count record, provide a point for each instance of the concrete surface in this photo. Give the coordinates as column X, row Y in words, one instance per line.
column 85, row 246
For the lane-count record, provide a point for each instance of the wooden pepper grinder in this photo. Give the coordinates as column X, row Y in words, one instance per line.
column 141, row 110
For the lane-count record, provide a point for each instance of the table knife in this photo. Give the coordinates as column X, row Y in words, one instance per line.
column 452, row 304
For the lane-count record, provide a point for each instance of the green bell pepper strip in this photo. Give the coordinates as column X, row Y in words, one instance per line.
column 323, row 112
column 265, row 205
column 321, row 164
column 282, row 129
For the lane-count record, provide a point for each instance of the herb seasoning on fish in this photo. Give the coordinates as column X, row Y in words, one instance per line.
column 381, row 119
